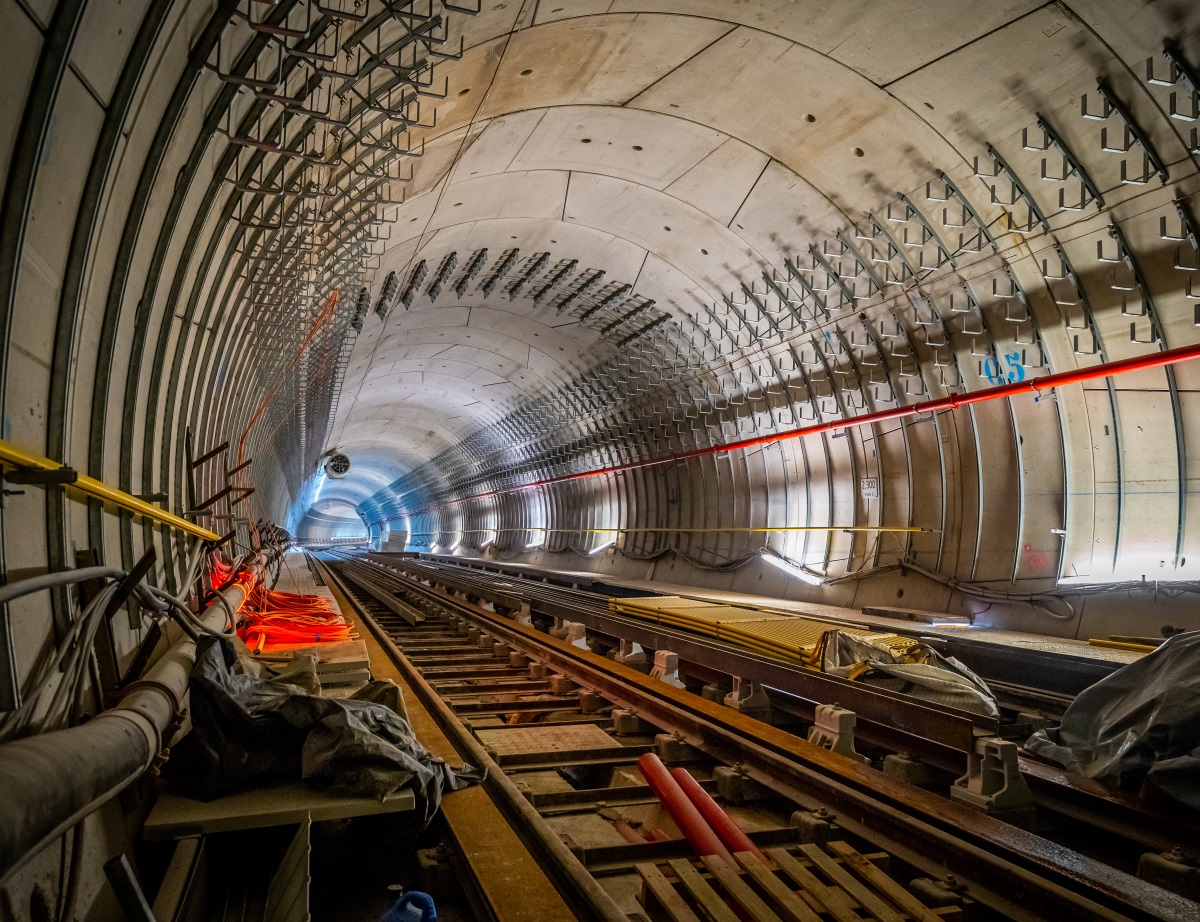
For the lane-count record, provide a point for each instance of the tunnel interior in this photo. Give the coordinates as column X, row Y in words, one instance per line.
column 685, row 291
column 611, row 240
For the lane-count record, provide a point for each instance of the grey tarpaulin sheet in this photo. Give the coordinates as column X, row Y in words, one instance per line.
column 249, row 726
column 1138, row 726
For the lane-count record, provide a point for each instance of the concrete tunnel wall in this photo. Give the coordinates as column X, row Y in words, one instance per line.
column 692, row 187
column 685, row 151
column 691, row 151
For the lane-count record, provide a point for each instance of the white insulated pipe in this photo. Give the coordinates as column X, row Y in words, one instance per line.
column 51, row 781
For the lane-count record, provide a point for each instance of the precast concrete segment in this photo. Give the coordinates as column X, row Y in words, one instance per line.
column 952, row 402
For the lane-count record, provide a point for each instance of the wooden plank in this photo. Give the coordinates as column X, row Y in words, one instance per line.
column 883, row 883
column 834, row 901
column 175, row 816
column 710, row 901
column 739, row 889
column 789, row 904
column 666, row 895
column 835, row 872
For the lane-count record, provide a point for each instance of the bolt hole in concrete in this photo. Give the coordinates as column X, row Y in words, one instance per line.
column 704, row 251
column 858, row 152
column 810, row 117
column 526, row 72
column 464, row 92
column 585, row 140
column 637, row 147
column 666, row 228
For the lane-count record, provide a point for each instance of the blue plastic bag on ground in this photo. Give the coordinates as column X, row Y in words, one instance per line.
column 413, row 906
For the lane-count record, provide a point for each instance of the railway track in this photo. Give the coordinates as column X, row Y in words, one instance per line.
column 1111, row 825
column 560, row 729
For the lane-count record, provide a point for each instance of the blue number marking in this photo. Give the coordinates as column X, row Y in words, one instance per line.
column 1016, row 372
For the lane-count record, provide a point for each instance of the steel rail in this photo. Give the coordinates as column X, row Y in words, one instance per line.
column 672, row 530
column 588, row 896
column 1014, row 871
column 894, row 722
column 886, row 710
column 23, row 460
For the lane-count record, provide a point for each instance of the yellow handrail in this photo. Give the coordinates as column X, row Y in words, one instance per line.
column 16, row 457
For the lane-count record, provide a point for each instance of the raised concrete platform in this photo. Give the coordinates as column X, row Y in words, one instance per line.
column 1033, row 642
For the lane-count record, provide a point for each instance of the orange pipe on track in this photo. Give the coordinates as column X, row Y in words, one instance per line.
column 691, row 823
column 732, row 836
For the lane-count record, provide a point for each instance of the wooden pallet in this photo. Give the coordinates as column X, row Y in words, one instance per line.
column 833, row 882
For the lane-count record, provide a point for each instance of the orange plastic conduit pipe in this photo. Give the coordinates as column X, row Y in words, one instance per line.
column 699, row 834
column 732, row 836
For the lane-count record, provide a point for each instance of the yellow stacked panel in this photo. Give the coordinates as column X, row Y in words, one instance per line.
column 785, row 637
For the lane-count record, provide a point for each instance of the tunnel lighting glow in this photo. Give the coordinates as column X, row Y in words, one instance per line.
column 486, row 544
column 532, row 545
column 603, row 547
column 434, row 549
column 793, row 570
column 454, row 547
column 1036, row 386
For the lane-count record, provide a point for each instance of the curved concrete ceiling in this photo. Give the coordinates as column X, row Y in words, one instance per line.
column 704, row 221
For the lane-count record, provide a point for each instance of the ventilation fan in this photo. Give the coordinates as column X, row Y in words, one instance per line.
column 336, row 466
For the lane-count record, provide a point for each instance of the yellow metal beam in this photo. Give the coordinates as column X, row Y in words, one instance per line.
column 18, row 458
column 1122, row 645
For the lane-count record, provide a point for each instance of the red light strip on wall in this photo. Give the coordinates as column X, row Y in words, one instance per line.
column 1035, row 385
